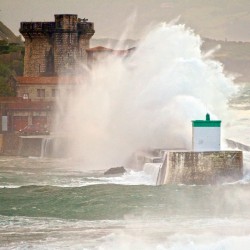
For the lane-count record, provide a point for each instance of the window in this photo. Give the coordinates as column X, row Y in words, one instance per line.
column 54, row 92
column 25, row 96
column 41, row 93
column 70, row 38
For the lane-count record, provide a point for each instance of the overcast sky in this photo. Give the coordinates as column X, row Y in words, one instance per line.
column 220, row 19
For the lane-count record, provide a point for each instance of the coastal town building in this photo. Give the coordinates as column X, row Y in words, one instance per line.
column 53, row 52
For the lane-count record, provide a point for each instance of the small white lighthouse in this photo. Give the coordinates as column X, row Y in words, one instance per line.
column 206, row 135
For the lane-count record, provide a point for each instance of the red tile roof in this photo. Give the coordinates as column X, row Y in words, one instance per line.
column 17, row 103
column 100, row 49
column 52, row 80
column 10, row 99
column 29, row 105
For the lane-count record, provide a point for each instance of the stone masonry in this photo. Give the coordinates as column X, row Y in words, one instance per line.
column 53, row 48
column 201, row 168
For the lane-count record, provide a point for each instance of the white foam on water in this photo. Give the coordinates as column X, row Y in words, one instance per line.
column 246, row 165
column 83, row 179
column 129, row 178
column 9, row 186
column 153, row 170
column 166, row 234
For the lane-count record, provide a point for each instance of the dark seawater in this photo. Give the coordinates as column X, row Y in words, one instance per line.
column 115, row 202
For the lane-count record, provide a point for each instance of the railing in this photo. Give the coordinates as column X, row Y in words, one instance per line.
column 85, row 27
column 51, row 27
column 37, row 27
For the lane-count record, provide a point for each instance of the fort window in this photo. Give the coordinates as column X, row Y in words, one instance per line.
column 70, row 38
column 54, row 92
column 41, row 93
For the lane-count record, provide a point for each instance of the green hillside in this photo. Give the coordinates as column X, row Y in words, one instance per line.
column 11, row 64
column 7, row 35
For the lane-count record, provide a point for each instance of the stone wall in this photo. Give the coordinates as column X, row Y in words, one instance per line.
column 53, row 48
column 31, row 90
column 30, row 146
column 201, row 167
column 35, row 146
column 10, row 144
column 38, row 54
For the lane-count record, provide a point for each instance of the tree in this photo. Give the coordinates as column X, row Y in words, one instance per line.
column 5, row 89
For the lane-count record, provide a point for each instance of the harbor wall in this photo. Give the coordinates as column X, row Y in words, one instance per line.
column 201, row 168
column 10, row 144
column 30, row 146
column 35, row 146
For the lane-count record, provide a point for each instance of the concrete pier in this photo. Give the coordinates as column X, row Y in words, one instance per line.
column 30, row 146
column 201, row 168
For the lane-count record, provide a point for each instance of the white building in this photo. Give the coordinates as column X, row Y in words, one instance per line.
column 206, row 135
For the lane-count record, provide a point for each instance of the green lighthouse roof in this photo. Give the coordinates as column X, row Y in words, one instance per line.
column 206, row 123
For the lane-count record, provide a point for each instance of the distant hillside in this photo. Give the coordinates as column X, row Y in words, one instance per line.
column 7, row 35
column 234, row 55
column 113, row 43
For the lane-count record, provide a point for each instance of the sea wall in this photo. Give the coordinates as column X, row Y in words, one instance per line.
column 201, row 168
column 30, row 146
column 52, row 147
column 36, row 146
column 10, row 144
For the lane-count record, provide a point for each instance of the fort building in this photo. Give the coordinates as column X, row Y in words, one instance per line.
column 53, row 52
column 53, row 48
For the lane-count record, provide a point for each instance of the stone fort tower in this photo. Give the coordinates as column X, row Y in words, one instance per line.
column 53, row 48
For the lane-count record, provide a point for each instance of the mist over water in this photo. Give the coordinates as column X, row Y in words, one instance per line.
column 146, row 100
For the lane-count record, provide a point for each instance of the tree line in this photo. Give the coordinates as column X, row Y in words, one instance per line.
column 11, row 65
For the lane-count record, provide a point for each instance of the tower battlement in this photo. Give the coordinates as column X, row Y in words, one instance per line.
column 30, row 28
column 53, row 48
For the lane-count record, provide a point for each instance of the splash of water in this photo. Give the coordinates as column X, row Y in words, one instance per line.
column 146, row 100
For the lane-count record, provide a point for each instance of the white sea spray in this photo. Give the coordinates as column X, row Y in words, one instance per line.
column 144, row 101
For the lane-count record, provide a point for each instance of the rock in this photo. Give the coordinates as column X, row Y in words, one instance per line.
column 116, row 170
